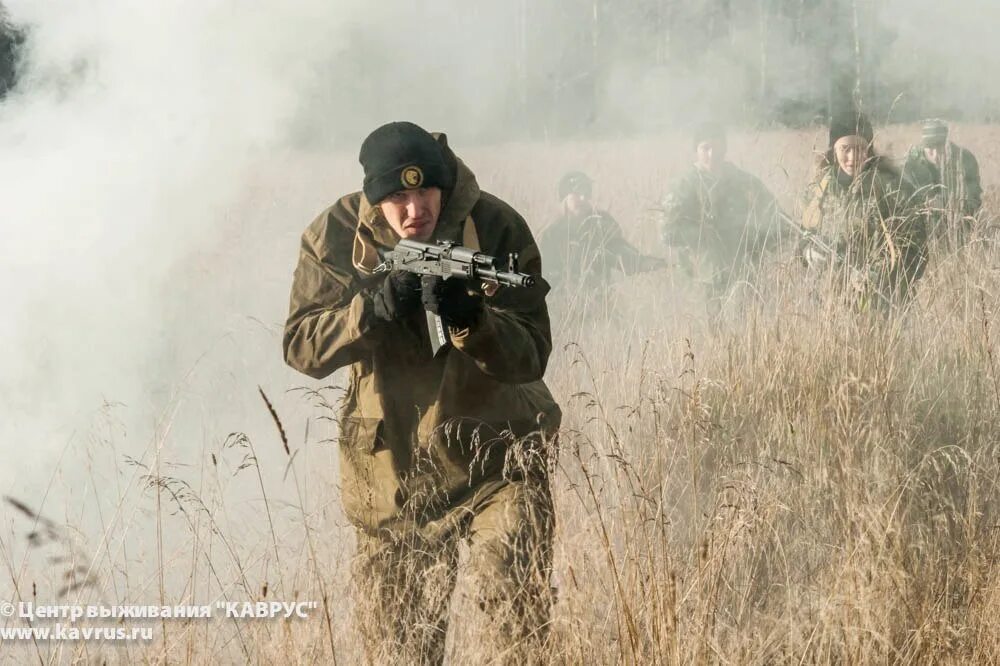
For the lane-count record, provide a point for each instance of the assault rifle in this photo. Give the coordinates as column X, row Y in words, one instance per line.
column 819, row 248
column 449, row 260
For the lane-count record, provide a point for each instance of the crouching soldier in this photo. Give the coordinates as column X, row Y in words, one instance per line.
column 868, row 213
column 946, row 177
column 434, row 447
column 718, row 215
column 585, row 251
column 584, row 247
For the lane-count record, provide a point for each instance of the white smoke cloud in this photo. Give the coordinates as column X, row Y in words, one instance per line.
column 947, row 54
column 159, row 163
column 133, row 131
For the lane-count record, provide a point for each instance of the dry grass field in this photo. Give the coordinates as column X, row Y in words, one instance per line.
column 784, row 481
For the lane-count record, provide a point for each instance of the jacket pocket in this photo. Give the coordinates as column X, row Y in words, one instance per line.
column 360, row 434
column 368, row 482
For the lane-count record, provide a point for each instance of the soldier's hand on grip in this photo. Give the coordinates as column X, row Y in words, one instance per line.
column 398, row 297
column 452, row 301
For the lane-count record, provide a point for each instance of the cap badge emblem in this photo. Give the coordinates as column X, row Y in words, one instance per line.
column 412, row 177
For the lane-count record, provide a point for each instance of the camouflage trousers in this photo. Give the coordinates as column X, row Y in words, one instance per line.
column 404, row 580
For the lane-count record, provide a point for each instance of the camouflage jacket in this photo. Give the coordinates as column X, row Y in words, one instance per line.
column 586, row 251
column 873, row 221
column 422, row 436
column 731, row 218
column 952, row 190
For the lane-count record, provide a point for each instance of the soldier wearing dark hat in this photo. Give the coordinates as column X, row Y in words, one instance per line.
column 946, row 177
column 584, row 246
column 866, row 210
column 718, row 215
column 434, row 448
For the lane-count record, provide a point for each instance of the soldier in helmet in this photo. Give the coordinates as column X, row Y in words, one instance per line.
column 718, row 215
column 585, row 246
column 946, row 177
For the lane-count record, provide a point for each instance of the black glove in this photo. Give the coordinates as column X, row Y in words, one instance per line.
column 398, row 297
column 450, row 300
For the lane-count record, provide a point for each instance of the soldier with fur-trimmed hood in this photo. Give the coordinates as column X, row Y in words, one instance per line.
column 864, row 206
column 434, row 447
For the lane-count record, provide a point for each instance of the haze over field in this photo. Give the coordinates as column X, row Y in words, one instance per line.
column 136, row 133
column 160, row 161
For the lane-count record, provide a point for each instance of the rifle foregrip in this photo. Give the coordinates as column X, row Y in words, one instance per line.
column 516, row 279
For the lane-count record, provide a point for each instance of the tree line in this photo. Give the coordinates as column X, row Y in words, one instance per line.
column 611, row 67
column 752, row 62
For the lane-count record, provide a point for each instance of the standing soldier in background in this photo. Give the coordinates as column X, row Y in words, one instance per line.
column 719, row 215
column 946, row 177
column 867, row 212
column 434, row 448
column 585, row 246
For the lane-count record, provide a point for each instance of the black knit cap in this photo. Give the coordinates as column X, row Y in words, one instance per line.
column 575, row 181
column 402, row 156
column 850, row 123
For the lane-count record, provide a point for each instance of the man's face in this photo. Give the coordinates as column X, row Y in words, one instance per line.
column 851, row 153
column 934, row 152
column 710, row 154
column 413, row 214
column 577, row 203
